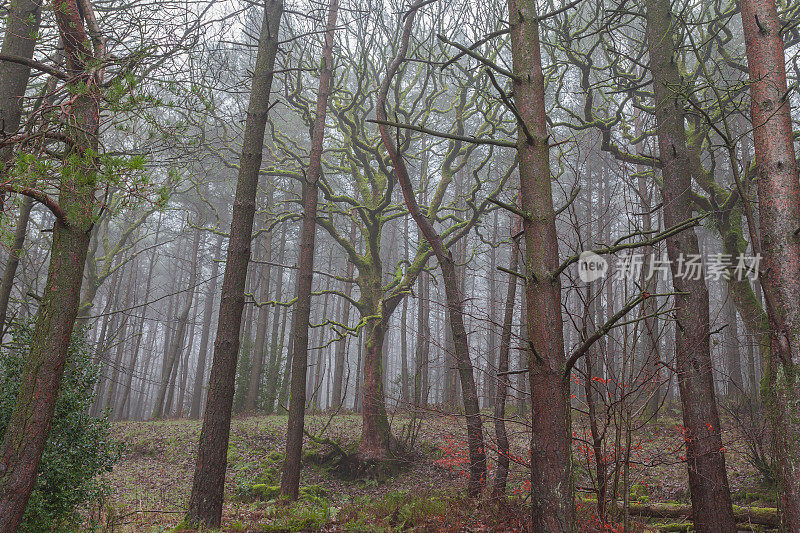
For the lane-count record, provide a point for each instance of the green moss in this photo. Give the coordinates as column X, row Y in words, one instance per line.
column 233, row 455
column 315, row 491
column 258, row 492
column 640, row 493
column 265, row 492
column 182, row 526
column 268, row 476
column 675, row 527
column 275, row 457
column 300, row 516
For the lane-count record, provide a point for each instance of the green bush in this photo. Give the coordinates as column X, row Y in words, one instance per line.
column 79, row 447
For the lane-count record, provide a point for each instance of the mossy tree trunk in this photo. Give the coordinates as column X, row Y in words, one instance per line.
column 705, row 457
column 28, row 429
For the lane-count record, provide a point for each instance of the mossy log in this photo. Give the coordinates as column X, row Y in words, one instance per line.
column 762, row 516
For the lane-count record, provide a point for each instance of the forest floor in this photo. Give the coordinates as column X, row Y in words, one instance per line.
column 150, row 485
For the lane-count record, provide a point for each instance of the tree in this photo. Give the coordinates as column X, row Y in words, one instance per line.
column 705, row 456
column 779, row 220
column 552, row 490
column 74, row 211
column 290, row 478
column 22, row 27
column 16, row 57
column 454, row 294
column 503, row 381
column 205, row 504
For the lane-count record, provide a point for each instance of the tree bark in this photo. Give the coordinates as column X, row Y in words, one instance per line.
column 552, row 490
column 503, row 381
column 21, row 32
column 705, row 458
column 290, row 478
column 205, row 504
column 31, row 419
column 779, row 218
column 375, row 431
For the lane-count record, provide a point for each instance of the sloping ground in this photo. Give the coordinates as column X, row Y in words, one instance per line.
column 149, row 487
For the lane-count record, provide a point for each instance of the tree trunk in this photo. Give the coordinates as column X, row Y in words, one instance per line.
column 29, row 426
column 163, row 404
column 733, row 359
column 290, row 478
column 276, row 342
column 179, row 405
column 423, row 346
column 340, row 360
column 503, row 381
column 404, row 392
column 208, row 484
column 14, row 255
column 287, row 373
column 260, row 346
column 490, row 376
column 453, row 292
column 651, row 355
column 705, row 458
column 321, row 349
column 779, row 217
column 208, row 315
column 21, row 32
column 552, row 490
column 375, row 432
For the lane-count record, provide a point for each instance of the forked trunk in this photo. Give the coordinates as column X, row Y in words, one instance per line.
column 453, row 293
